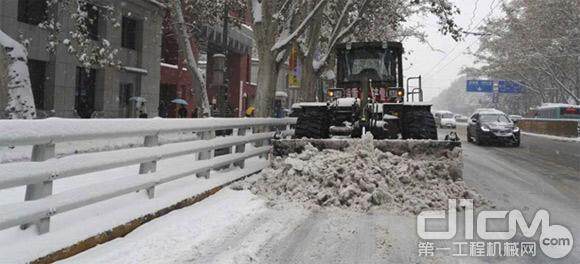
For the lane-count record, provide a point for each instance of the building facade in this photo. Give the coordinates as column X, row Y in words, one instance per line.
column 63, row 88
column 176, row 82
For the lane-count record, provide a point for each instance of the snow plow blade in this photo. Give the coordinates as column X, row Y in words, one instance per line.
column 416, row 149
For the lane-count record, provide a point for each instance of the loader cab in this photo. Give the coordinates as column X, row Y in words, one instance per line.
column 381, row 62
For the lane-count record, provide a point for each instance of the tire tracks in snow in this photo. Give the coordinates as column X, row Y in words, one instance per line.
column 246, row 242
column 330, row 237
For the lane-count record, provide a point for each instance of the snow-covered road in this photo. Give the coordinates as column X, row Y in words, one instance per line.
column 239, row 227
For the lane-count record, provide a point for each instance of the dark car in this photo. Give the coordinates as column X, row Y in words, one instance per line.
column 492, row 127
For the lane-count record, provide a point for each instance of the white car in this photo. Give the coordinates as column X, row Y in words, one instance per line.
column 445, row 119
column 461, row 118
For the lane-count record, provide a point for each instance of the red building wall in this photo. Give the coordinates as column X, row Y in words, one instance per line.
column 180, row 81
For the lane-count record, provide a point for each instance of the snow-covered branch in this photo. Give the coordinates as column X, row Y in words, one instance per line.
column 285, row 39
column 20, row 99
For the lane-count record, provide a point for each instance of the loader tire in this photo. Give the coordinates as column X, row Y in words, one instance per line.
column 419, row 125
column 313, row 122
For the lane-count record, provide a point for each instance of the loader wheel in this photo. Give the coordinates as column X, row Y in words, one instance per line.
column 313, row 122
column 469, row 139
column 419, row 125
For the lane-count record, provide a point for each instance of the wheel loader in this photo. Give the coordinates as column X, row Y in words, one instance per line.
column 369, row 98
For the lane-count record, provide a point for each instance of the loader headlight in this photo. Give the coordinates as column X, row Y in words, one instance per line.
column 485, row 129
column 400, row 93
column 516, row 129
column 330, row 93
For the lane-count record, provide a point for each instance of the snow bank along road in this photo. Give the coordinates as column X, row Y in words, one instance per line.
column 239, row 227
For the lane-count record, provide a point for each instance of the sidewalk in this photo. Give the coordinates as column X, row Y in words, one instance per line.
column 18, row 246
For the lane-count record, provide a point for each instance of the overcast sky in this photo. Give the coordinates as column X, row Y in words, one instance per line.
column 440, row 68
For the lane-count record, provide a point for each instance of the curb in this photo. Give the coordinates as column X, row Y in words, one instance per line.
column 124, row 229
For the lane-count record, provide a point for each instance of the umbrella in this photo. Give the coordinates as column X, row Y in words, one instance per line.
column 138, row 99
column 180, row 101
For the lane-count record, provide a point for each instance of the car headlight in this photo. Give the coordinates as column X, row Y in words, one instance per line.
column 516, row 129
column 484, row 129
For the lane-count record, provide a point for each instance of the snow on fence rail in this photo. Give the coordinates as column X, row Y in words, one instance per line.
column 39, row 174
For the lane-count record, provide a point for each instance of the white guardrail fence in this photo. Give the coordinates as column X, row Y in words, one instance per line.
column 43, row 168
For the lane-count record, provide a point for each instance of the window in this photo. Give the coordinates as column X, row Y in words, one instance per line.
column 169, row 50
column 37, row 71
column 487, row 118
column 92, row 21
column 85, row 92
column 31, row 11
column 377, row 62
column 447, row 115
column 129, row 37
column 126, row 91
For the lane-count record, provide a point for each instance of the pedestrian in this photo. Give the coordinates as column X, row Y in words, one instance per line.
column 84, row 110
column 163, row 113
column 251, row 111
column 194, row 113
column 182, row 112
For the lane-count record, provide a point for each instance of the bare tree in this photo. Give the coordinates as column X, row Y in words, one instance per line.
column 536, row 44
column 277, row 23
column 188, row 19
column 185, row 46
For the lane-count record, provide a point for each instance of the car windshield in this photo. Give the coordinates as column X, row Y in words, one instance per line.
column 447, row 115
column 488, row 118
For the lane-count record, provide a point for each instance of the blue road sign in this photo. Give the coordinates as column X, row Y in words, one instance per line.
column 480, row 86
column 509, row 87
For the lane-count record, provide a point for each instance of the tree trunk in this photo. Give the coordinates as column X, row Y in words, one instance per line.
column 577, row 84
column 265, row 34
column 20, row 103
column 309, row 76
column 202, row 100
column 267, row 81
column 3, row 81
column 308, row 79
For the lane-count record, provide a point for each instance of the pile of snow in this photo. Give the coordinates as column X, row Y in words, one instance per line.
column 363, row 177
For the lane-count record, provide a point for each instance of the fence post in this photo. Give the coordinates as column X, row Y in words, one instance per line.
column 205, row 155
column 264, row 142
column 241, row 148
column 40, row 190
column 150, row 167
